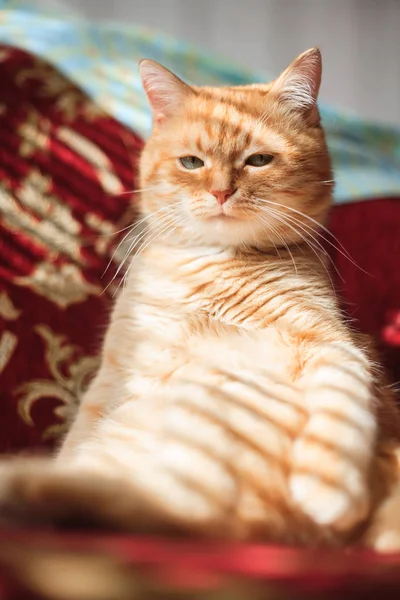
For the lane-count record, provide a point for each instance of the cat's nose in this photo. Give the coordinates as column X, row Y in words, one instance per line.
column 222, row 195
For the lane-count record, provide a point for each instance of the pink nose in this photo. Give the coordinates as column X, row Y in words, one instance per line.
column 222, row 195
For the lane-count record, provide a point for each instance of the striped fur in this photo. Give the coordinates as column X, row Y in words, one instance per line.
column 232, row 399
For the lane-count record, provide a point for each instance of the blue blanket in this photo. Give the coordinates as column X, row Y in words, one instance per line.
column 102, row 59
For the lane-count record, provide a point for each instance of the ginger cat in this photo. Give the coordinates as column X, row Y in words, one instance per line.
column 232, row 400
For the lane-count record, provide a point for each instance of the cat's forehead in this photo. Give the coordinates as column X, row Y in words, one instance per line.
column 236, row 105
column 233, row 120
column 246, row 97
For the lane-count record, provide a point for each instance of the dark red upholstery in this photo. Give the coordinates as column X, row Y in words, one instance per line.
column 369, row 287
column 65, row 170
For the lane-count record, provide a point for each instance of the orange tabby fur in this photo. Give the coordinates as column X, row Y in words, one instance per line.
column 232, row 399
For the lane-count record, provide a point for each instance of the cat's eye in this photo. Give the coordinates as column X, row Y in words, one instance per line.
column 191, row 162
column 259, row 160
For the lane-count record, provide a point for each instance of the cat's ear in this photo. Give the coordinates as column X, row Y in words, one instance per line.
column 299, row 84
column 164, row 90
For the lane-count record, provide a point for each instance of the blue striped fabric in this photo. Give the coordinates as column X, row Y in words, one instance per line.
column 102, row 59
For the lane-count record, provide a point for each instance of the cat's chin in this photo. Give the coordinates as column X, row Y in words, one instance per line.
column 226, row 230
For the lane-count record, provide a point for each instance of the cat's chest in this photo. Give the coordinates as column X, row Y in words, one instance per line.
column 171, row 348
column 206, row 310
column 218, row 286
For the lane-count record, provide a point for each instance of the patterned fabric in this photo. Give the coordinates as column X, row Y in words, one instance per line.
column 65, row 170
column 102, row 59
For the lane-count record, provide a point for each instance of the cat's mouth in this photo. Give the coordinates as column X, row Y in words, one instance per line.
column 224, row 214
column 222, row 217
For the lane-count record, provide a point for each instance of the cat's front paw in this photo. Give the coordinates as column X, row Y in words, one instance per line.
column 326, row 504
column 332, row 500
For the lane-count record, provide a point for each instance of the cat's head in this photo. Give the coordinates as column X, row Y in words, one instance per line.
column 236, row 165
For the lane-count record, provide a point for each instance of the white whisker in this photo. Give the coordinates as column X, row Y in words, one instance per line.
column 280, row 217
column 321, row 249
column 282, row 241
column 342, row 250
column 161, row 228
column 131, row 228
column 159, row 221
column 136, row 191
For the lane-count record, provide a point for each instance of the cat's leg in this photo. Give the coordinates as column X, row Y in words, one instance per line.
column 332, row 456
column 93, row 406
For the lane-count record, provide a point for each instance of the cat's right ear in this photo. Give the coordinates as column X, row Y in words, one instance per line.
column 298, row 86
column 164, row 90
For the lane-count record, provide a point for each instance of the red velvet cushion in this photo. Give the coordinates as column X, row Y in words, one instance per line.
column 48, row 565
column 65, row 170
column 369, row 287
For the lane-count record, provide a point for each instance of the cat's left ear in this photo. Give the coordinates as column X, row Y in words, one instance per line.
column 299, row 84
column 164, row 90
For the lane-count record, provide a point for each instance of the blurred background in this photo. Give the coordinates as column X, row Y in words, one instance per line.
column 360, row 39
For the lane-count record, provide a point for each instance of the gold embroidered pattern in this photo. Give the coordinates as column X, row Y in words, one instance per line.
column 96, row 157
column 7, row 308
column 105, row 230
column 8, row 343
column 67, row 99
column 34, row 134
column 70, row 376
column 64, row 285
column 55, row 229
